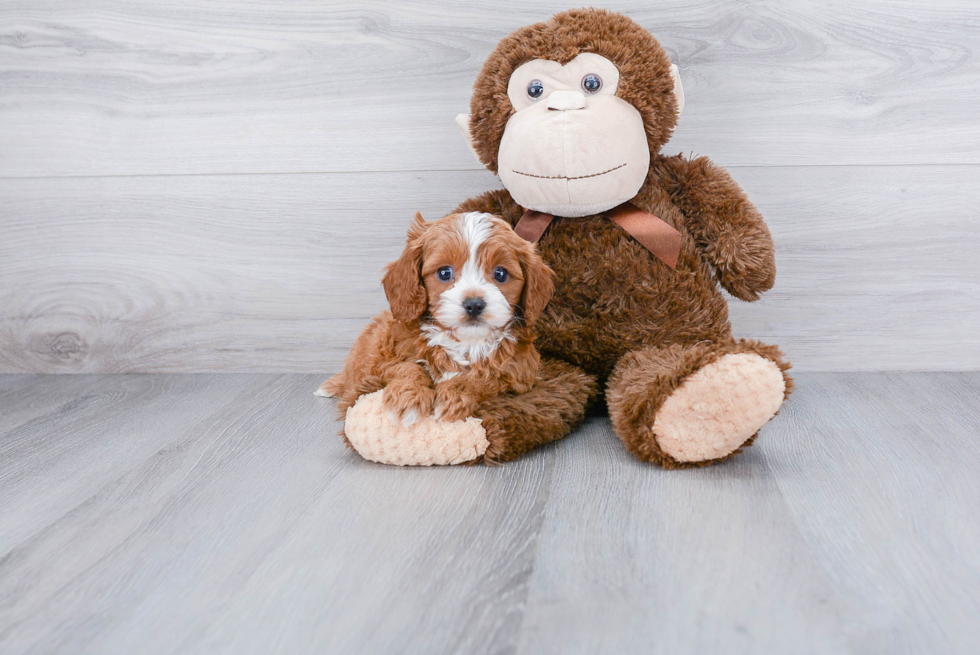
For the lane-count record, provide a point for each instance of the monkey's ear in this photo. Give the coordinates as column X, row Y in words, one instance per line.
column 463, row 121
column 402, row 281
column 678, row 88
column 538, row 285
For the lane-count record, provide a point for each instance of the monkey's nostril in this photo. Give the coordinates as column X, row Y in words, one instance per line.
column 474, row 306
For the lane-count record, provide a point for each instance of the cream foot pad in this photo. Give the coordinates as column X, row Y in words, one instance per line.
column 427, row 442
column 718, row 408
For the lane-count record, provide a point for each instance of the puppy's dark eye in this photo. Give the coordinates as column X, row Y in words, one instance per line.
column 591, row 83
column 445, row 274
column 534, row 89
column 500, row 274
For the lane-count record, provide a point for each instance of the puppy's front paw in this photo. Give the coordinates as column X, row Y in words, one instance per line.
column 451, row 405
column 406, row 404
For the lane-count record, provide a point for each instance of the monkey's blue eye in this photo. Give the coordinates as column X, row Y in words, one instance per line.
column 500, row 274
column 591, row 83
column 445, row 274
column 534, row 89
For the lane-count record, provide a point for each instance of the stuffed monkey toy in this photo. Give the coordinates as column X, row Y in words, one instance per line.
column 571, row 114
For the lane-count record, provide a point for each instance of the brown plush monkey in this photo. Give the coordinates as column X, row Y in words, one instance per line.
column 571, row 114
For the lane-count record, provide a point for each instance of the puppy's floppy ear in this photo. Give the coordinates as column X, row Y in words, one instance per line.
column 538, row 284
column 403, row 278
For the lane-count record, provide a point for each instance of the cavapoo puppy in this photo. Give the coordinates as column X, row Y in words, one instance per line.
column 464, row 297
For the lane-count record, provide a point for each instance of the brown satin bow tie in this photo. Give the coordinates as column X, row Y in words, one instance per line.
column 651, row 231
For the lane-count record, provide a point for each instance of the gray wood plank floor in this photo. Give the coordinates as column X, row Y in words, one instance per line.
column 220, row 513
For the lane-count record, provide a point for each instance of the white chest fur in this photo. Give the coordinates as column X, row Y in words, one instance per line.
column 464, row 353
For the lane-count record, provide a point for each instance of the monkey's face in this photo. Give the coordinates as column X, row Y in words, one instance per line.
column 572, row 147
column 570, row 111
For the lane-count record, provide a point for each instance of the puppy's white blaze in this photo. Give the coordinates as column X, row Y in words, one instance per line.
column 475, row 228
column 469, row 343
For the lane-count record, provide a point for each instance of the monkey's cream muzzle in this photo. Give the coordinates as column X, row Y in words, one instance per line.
column 576, row 160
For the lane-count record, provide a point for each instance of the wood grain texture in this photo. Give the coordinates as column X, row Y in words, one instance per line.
column 845, row 529
column 214, row 186
column 253, row 86
column 238, row 504
column 893, row 452
column 221, row 513
column 707, row 561
column 877, row 267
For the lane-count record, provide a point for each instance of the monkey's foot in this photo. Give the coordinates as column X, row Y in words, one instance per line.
column 719, row 407
column 379, row 437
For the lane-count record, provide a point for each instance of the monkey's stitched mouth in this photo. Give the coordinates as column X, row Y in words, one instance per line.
column 563, row 177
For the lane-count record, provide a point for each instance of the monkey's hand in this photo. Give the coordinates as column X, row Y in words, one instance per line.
column 727, row 228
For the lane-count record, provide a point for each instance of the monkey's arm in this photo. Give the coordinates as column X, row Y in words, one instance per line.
column 728, row 229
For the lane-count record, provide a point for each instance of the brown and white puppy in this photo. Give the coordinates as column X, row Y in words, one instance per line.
column 464, row 297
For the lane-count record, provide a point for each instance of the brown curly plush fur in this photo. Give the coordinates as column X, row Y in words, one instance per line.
column 619, row 315
column 558, row 400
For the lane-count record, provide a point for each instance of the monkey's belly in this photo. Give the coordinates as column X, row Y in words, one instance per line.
column 613, row 296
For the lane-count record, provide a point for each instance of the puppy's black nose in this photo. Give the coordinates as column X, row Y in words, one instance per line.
column 474, row 306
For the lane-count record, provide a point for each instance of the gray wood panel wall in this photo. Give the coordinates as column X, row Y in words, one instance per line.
column 214, row 186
